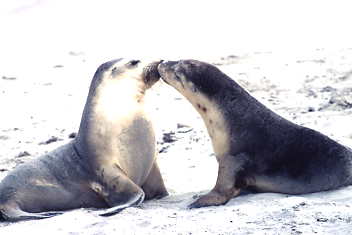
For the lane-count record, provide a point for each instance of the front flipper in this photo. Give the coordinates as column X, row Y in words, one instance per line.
column 224, row 190
column 118, row 191
column 154, row 187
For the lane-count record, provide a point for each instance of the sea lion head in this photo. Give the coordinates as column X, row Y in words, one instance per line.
column 118, row 89
column 192, row 76
column 145, row 72
column 203, row 85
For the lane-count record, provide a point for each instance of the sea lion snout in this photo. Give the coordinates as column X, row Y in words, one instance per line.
column 151, row 73
column 166, row 68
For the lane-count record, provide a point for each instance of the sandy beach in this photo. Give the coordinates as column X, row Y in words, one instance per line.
column 43, row 87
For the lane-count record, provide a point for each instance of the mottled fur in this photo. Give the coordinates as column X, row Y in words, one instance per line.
column 260, row 150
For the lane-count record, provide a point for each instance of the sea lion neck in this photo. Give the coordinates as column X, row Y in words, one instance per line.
column 109, row 104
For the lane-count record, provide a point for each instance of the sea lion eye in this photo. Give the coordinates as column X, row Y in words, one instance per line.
column 133, row 62
column 177, row 75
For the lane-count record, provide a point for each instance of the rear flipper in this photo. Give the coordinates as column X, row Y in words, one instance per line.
column 15, row 214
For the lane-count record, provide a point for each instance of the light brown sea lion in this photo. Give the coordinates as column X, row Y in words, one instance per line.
column 111, row 162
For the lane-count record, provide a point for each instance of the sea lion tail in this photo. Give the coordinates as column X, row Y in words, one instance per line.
column 15, row 214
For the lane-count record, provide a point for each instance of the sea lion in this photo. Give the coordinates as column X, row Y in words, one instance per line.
column 111, row 162
column 256, row 148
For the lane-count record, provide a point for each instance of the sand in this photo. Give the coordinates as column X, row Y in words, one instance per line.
column 43, row 88
column 41, row 113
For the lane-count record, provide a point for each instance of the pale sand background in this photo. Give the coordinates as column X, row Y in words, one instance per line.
column 294, row 57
